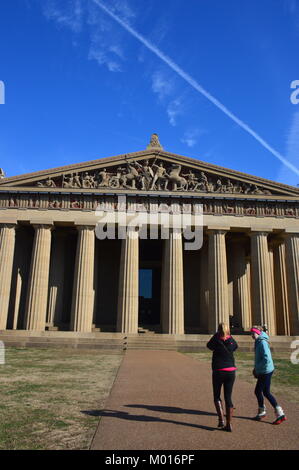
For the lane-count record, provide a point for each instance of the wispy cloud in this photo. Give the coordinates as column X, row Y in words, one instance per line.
column 106, row 44
column 70, row 14
column 191, row 136
column 164, row 87
column 174, row 109
column 194, row 84
column 161, row 85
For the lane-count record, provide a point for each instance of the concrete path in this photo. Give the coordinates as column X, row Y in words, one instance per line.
column 163, row 400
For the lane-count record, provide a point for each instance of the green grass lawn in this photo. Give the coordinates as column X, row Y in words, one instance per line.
column 46, row 396
column 285, row 381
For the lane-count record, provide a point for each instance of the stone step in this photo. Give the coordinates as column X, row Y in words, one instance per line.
column 118, row 341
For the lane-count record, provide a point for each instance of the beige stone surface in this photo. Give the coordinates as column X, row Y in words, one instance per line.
column 36, row 305
column 241, row 291
column 173, row 285
column 292, row 265
column 263, row 302
column 218, row 282
column 127, row 320
column 7, row 245
column 83, row 291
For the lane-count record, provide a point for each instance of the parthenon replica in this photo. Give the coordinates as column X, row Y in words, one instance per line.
column 57, row 275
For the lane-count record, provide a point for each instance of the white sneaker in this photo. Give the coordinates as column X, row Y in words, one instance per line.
column 261, row 413
column 280, row 416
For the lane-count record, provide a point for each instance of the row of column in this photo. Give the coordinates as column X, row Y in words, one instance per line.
column 269, row 292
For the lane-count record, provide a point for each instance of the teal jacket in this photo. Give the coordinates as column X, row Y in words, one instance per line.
column 263, row 358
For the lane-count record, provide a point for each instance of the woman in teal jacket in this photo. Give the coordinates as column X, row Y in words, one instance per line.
column 263, row 370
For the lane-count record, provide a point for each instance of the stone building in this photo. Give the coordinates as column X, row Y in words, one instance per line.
column 56, row 274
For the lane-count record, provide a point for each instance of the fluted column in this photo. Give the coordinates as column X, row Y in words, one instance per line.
column 271, row 259
column 218, row 281
column 7, row 247
column 204, row 287
column 37, row 294
column 127, row 315
column 56, row 279
column 241, row 292
column 173, row 284
column 292, row 268
column 248, row 320
column 262, row 292
column 83, row 287
column 281, row 287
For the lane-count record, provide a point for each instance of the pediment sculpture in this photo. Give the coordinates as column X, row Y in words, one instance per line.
column 151, row 175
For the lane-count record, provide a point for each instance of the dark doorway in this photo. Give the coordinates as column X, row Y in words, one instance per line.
column 150, row 283
column 149, row 296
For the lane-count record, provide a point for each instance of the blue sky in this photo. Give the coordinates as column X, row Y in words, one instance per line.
column 80, row 86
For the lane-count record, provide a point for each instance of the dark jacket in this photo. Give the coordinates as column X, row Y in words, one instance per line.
column 222, row 352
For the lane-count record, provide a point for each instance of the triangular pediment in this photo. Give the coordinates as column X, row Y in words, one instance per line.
column 147, row 171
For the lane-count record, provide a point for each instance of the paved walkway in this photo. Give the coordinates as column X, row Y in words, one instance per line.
column 163, row 400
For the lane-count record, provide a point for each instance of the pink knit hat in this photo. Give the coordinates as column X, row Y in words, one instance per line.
column 255, row 330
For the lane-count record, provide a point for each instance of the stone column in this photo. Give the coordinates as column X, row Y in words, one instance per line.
column 241, row 292
column 83, row 287
column 204, row 287
column 262, row 293
column 173, row 285
column 248, row 320
column 292, row 268
column 37, row 294
column 218, row 281
column 281, row 287
column 7, row 248
column 271, row 259
column 128, row 297
column 56, row 279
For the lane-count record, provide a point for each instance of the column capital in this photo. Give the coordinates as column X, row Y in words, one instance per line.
column 286, row 235
column 47, row 226
column 217, row 230
column 275, row 242
column 257, row 232
column 8, row 225
column 81, row 227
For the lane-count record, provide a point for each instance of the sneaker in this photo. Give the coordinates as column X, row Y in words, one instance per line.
column 261, row 413
column 280, row 416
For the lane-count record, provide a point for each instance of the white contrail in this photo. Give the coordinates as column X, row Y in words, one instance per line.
column 167, row 60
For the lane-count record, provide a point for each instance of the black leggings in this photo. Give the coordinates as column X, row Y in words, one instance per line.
column 227, row 379
column 262, row 390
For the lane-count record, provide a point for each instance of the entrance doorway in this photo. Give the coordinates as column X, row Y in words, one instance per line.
column 149, row 297
column 150, row 284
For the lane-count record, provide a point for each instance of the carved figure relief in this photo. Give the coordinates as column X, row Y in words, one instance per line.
column 154, row 175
